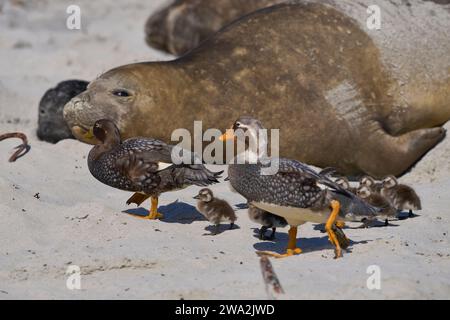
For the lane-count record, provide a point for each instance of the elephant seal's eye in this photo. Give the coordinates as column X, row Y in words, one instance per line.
column 121, row 93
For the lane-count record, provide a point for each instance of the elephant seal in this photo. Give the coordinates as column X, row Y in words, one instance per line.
column 51, row 125
column 307, row 68
column 183, row 25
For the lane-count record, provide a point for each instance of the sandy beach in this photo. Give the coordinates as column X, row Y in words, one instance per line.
column 54, row 214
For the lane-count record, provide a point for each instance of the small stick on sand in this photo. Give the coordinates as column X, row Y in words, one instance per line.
column 273, row 286
column 21, row 149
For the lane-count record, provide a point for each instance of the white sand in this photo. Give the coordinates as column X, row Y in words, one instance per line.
column 79, row 221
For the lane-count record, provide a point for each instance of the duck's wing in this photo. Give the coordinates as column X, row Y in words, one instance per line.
column 142, row 159
column 350, row 203
column 196, row 174
column 294, row 167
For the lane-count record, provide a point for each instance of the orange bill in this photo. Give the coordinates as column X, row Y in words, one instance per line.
column 228, row 135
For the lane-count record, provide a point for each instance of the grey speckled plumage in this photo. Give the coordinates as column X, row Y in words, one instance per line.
column 296, row 185
column 133, row 166
column 142, row 165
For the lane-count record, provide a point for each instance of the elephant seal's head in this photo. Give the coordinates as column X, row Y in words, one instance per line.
column 124, row 95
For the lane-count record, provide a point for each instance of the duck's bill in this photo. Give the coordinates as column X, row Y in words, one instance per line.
column 84, row 135
column 196, row 197
column 228, row 135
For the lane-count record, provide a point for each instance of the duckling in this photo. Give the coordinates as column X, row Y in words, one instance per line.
column 294, row 191
column 371, row 183
column 214, row 209
column 344, row 183
column 387, row 210
column 401, row 196
column 141, row 165
column 267, row 220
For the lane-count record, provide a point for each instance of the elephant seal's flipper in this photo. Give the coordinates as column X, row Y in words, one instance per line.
column 396, row 154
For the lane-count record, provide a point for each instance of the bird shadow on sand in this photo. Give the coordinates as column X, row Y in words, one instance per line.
column 374, row 224
column 267, row 234
column 223, row 227
column 175, row 212
column 306, row 244
column 403, row 215
column 240, row 206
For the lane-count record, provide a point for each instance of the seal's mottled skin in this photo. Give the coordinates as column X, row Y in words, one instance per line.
column 307, row 69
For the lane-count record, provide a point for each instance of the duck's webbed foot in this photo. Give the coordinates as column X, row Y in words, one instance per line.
column 330, row 227
column 340, row 224
column 153, row 214
column 344, row 242
column 291, row 250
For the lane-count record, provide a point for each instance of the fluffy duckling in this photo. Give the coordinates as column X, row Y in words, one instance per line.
column 377, row 200
column 371, row 183
column 267, row 220
column 214, row 209
column 344, row 183
column 401, row 196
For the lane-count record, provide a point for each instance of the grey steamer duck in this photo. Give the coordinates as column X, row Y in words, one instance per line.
column 141, row 165
column 295, row 192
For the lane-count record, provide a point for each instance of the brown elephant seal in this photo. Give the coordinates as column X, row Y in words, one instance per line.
column 183, row 25
column 308, row 69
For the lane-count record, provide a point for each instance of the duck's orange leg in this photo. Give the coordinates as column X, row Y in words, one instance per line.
column 291, row 250
column 329, row 228
column 153, row 214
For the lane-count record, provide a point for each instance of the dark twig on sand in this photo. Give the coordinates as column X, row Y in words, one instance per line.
column 21, row 149
column 273, row 286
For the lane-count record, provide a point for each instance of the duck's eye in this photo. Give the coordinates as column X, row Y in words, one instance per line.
column 238, row 124
column 121, row 93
